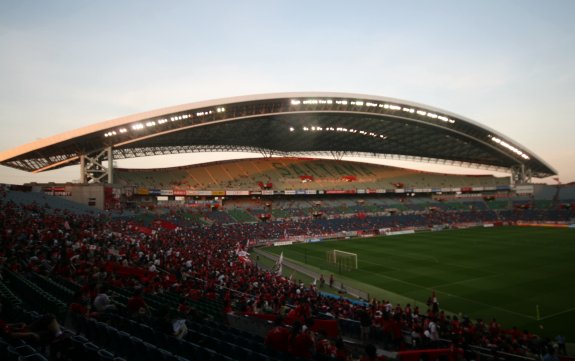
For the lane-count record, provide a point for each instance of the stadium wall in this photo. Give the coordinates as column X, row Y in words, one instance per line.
column 98, row 196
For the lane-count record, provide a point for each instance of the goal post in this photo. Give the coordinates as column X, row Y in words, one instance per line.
column 345, row 260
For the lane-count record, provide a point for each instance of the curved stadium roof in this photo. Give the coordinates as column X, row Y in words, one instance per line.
column 289, row 124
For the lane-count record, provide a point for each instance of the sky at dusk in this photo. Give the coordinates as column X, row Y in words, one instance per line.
column 506, row 64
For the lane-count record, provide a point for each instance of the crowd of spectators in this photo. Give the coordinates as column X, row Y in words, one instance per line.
column 101, row 253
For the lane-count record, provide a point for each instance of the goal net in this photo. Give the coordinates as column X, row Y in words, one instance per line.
column 345, row 260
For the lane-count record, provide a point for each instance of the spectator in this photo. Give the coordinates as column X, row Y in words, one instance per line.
column 278, row 336
column 365, row 324
column 561, row 349
column 136, row 306
column 370, row 354
column 301, row 341
column 43, row 330
column 323, row 346
column 341, row 352
column 103, row 302
column 169, row 324
column 550, row 355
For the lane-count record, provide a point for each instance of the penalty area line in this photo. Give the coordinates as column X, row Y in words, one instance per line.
column 557, row 314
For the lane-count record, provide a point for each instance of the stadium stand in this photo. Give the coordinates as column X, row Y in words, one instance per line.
column 291, row 173
column 60, row 263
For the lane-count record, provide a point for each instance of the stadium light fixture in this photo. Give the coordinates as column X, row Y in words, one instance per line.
column 510, row 147
column 138, row 126
column 315, row 128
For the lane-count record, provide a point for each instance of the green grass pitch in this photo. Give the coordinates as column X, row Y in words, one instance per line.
column 502, row 272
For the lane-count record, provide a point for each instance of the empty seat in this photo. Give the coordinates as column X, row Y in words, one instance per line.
column 90, row 352
column 173, row 357
column 256, row 356
column 120, row 345
column 33, row 357
column 206, row 354
column 105, row 355
column 25, row 350
column 12, row 354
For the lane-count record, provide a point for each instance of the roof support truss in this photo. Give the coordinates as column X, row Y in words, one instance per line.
column 521, row 174
column 93, row 170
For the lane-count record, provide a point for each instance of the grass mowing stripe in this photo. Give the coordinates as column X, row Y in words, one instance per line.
column 497, row 272
column 431, row 289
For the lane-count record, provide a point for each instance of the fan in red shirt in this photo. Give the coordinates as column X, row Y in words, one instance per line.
column 323, row 346
column 136, row 304
column 278, row 337
column 302, row 342
column 341, row 353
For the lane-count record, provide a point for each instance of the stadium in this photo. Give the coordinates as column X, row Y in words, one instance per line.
column 197, row 262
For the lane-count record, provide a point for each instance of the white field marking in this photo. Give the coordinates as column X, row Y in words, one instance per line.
column 445, row 293
column 557, row 314
column 467, row 280
column 454, row 296
column 381, row 264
